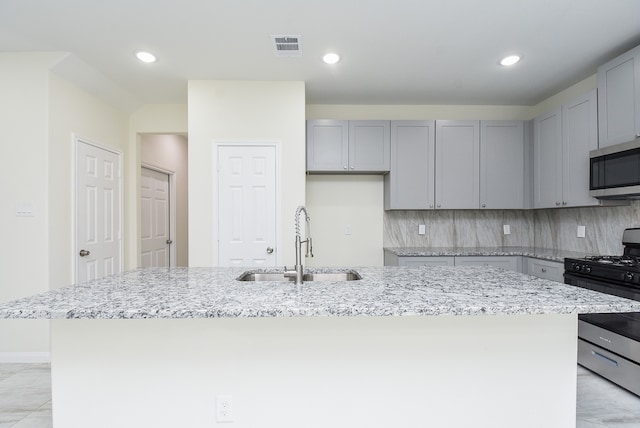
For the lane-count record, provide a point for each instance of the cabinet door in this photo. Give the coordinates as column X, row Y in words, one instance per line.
column 545, row 269
column 547, row 160
column 511, row 263
column 619, row 99
column 369, row 145
column 502, row 164
column 457, row 164
column 426, row 261
column 409, row 184
column 327, row 145
column 579, row 136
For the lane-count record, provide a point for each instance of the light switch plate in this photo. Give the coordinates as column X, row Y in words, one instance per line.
column 506, row 228
column 24, row 209
column 422, row 229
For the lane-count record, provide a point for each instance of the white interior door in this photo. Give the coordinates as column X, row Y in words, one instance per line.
column 155, row 219
column 98, row 212
column 247, row 218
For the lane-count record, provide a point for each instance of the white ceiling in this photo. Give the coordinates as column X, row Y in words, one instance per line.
column 393, row 52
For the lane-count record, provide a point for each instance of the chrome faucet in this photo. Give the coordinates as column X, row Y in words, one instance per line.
column 297, row 270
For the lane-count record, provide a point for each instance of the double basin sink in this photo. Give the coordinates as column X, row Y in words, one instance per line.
column 307, row 277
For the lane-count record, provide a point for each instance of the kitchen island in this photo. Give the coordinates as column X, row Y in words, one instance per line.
column 405, row 347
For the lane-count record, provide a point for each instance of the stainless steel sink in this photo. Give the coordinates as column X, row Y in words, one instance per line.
column 307, row 277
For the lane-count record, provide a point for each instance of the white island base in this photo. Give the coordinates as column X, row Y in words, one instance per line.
column 441, row 371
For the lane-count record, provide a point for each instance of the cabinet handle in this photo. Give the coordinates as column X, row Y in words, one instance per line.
column 544, row 270
column 564, row 203
column 352, row 167
column 439, row 205
column 345, row 167
column 430, row 205
column 557, row 203
column 484, row 205
column 638, row 135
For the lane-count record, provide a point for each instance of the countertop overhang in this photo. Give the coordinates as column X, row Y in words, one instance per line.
column 382, row 291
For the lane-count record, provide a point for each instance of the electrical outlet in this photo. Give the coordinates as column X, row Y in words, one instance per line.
column 506, row 229
column 581, row 231
column 422, row 229
column 24, row 209
column 224, row 408
column 347, row 229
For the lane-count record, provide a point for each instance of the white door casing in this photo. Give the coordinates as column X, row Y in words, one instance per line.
column 156, row 243
column 98, row 211
column 247, row 204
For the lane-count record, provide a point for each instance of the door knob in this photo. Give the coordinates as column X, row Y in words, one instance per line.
column 269, row 250
column 169, row 242
column 84, row 253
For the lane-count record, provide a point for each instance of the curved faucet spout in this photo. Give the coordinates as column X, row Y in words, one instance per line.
column 299, row 242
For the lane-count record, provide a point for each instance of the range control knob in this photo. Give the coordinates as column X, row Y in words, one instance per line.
column 577, row 267
column 628, row 276
column 587, row 269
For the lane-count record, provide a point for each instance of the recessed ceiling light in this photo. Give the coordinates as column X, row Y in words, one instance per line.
column 146, row 57
column 510, row 60
column 331, row 58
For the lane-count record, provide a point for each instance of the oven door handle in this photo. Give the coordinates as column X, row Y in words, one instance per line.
column 606, row 359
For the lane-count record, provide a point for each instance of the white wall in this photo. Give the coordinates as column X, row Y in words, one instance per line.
column 169, row 152
column 243, row 111
column 148, row 119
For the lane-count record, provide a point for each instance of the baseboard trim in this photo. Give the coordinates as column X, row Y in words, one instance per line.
column 25, row 357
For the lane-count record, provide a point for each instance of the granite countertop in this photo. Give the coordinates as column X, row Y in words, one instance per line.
column 382, row 291
column 538, row 253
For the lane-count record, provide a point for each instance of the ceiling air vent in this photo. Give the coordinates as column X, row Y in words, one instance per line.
column 288, row 45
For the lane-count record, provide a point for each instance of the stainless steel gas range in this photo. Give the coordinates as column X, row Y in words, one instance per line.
column 609, row 344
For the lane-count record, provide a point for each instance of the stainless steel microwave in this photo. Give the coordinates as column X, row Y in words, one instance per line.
column 615, row 171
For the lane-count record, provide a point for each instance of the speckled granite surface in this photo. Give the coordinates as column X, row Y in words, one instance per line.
column 538, row 253
column 383, row 291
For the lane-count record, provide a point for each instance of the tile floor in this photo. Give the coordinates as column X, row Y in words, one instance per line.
column 25, row 399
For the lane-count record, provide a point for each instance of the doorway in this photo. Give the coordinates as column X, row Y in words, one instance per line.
column 165, row 154
column 157, row 218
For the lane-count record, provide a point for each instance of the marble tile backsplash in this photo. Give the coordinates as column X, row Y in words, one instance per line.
column 552, row 228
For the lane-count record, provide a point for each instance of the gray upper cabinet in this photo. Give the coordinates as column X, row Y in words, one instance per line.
column 502, row 157
column 457, row 164
column 547, row 160
column 619, row 99
column 409, row 184
column 562, row 141
column 342, row 146
column 579, row 136
column 327, row 145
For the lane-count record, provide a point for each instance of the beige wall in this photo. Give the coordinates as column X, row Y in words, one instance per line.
column 243, row 111
column 40, row 113
column 24, row 255
column 169, row 153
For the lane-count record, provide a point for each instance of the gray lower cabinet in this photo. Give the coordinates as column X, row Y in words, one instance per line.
column 394, row 260
column 409, row 184
column 341, row 146
column 545, row 269
column 619, row 99
column 502, row 165
column 512, row 263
